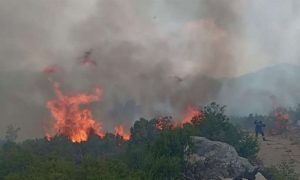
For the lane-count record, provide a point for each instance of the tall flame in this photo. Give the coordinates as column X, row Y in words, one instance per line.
column 71, row 120
column 119, row 131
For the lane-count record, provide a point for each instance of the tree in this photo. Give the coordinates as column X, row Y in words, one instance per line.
column 11, row 133
column 144, row 131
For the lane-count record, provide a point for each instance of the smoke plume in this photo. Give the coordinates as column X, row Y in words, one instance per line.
column 153, row 57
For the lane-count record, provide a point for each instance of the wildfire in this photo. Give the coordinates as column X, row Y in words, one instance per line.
column 74, row 120
column 281, row 119
column 191, row 112
column 119, row 131
column 164, row 123
column 71, row 120
column 159, row 124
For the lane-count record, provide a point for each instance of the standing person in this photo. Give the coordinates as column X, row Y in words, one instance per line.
column 259, row 125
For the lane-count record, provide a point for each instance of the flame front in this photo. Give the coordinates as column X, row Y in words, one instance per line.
column 119, row 131
column 70, row 119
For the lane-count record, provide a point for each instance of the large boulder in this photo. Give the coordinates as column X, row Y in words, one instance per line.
column 215, row 160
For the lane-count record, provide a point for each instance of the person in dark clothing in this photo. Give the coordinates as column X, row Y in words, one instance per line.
column 259, row 125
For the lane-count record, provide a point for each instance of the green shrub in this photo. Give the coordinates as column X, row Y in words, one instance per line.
column 215, row 126
column 284, row 171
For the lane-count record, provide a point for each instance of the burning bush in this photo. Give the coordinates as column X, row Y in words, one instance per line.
column 119, row 131
column 280, row 118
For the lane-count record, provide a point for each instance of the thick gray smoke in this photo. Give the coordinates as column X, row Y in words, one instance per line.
column 153, row 57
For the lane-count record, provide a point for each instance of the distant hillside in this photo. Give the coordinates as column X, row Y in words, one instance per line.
column 252, row 92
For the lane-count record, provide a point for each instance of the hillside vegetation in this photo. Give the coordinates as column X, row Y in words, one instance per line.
column 151, row 152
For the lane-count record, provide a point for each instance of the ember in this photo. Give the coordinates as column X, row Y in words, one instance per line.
column 89, row 62
column 50, row 69
column 163, row 123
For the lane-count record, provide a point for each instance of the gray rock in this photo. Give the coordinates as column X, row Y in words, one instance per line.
column 259, row 176
column 214, row 160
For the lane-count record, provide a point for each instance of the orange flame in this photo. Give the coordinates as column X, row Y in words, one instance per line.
column 281, row 119
column 164, row 123
column 191, row 112
column 72, row 121
column 119, row 131
column 159, row 124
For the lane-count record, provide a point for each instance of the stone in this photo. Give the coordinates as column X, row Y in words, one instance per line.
column 216, row 160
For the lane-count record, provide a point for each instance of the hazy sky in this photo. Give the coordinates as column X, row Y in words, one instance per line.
column 142, row 48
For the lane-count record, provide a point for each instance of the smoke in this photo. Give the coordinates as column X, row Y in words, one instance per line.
column 153, row 57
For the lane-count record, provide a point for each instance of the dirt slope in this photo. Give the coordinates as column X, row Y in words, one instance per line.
column 277, row 149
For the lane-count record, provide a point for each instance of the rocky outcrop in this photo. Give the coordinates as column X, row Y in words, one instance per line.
column 259, row 176
column 214, row 160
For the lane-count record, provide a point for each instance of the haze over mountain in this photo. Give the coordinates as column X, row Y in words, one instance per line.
column 254, row 92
